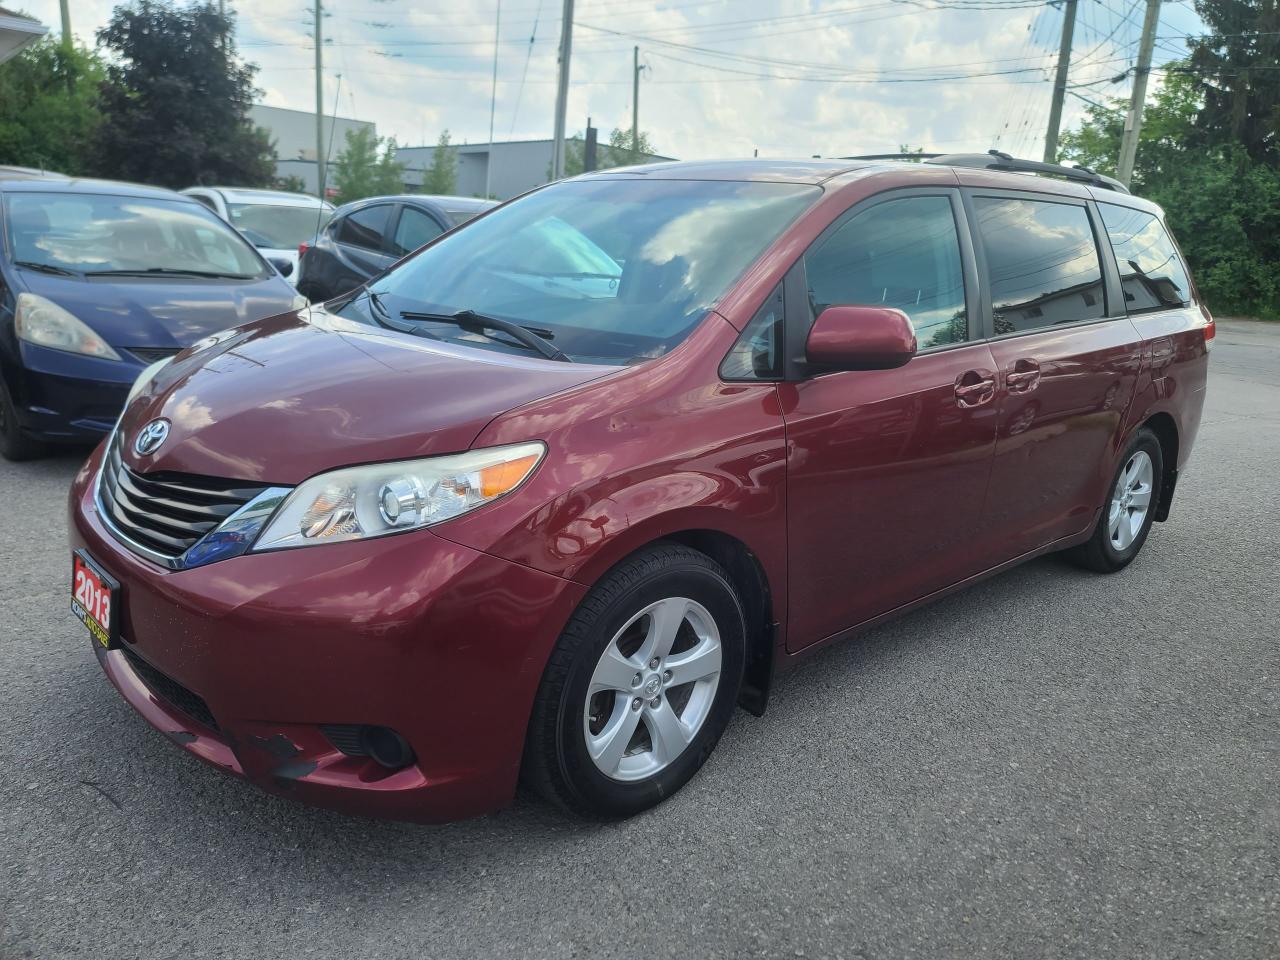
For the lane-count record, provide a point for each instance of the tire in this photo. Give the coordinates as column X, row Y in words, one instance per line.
column 14, row 444
column 1120, row 532
column 586, row 704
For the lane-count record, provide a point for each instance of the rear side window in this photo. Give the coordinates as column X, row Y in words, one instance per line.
column 365, row 228
column 1042, row 262
column 901, row 253
column 414, row 229
column 1151, row 272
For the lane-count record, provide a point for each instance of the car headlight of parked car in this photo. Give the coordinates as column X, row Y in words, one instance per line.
column 46, row 324
column 357, row 503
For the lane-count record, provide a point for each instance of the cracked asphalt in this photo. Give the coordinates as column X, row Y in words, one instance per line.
column 1050, row 764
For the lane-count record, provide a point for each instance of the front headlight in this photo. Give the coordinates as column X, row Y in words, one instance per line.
column 356, row 503
column 46, row 324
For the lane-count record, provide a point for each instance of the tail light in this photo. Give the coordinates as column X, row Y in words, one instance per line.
column 303, row 248
column 1210, row 328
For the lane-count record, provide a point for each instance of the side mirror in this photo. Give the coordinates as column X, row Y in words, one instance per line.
column 283, row 264
column 860, row 338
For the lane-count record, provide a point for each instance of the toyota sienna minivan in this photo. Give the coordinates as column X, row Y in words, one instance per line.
column 553, row 496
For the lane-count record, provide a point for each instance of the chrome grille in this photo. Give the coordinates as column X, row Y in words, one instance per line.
column 166, row 513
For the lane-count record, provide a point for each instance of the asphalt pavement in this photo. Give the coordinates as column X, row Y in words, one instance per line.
column 1050, row 764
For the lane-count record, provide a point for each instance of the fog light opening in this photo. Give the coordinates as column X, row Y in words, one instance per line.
column 386, row 747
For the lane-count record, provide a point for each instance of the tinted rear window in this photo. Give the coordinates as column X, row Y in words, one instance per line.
column 1043, row 263
column 1151, row 272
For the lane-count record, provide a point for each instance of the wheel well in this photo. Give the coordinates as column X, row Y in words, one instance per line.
column 753, row 587
column 1166, row 431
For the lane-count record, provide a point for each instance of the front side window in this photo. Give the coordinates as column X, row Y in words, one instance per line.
column 1042, row 262
column 613, row 270
column 102, row 234
column 364, row 228
column 414, row 229
column 901, row 253
column 1151, row 272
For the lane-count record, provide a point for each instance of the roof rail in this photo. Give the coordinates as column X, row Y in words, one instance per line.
column 893, row 156
column 995, row 160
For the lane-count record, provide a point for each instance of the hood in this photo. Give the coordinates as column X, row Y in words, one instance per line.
column 289, row 397
column 162, row 313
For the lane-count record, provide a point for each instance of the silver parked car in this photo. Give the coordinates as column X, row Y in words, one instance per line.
column 274, row 221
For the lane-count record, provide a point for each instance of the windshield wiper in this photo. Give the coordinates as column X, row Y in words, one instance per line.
column 474, row 322
column 169, row 272
column 46, row 268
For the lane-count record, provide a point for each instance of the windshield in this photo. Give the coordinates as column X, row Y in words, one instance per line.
column 610, row 271
column 96, row 233
column 276, row 225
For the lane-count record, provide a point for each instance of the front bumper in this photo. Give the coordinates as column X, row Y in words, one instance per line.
column 66, row 398
column 440, row 642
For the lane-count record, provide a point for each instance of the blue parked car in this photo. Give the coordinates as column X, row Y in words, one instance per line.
column 98, row 280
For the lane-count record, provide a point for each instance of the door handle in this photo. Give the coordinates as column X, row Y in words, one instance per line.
column 975, row 387
column 1023, row 376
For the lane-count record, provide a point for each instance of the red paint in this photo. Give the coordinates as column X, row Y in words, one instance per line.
column 859, row 494
column 860, row 338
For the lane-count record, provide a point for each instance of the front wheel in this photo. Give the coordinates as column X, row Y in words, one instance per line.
column 641, row 685
column 1130, row 509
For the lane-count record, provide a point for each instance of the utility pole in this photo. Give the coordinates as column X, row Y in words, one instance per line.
column 319, row 11
column 493, row 102
column 1060, row 83
column 66, row 23
column 1133, row 122
column 562, row 91
column 635, row 104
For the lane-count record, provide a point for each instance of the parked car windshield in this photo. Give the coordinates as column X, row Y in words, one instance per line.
column 610, row 271
column 101, row 233
column 276, row 225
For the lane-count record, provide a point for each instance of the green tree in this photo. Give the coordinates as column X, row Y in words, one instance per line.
column 441, row 178
column 49, row 114
column 1162, row 145
column 1223, row 205
column 367, row 167
column 292, row 183
column 615, row 153
column 176, row 104
column 1235, row 65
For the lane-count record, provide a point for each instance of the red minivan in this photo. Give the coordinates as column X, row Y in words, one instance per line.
column 551, row 497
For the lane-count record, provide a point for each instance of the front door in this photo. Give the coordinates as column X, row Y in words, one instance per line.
column 887, row 469
column 1068, row 359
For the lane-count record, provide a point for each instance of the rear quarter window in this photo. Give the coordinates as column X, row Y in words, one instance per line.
column 1152, row 273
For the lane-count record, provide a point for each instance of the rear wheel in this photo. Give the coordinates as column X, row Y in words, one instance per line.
column 641, row 685
column 14, row 444
column 1130, row 509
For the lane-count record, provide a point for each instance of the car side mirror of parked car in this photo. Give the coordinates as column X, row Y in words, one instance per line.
column 284, row 265
column 848, row 337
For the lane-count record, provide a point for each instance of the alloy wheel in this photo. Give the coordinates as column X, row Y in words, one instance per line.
column 652, row 689
column 1130, row 501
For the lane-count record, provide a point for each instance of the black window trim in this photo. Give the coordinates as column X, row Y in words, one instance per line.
column 1110, row 272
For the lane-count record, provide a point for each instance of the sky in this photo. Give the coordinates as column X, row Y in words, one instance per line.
column 720, row 78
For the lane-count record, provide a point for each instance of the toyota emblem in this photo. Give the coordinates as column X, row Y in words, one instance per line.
column 150, row 437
